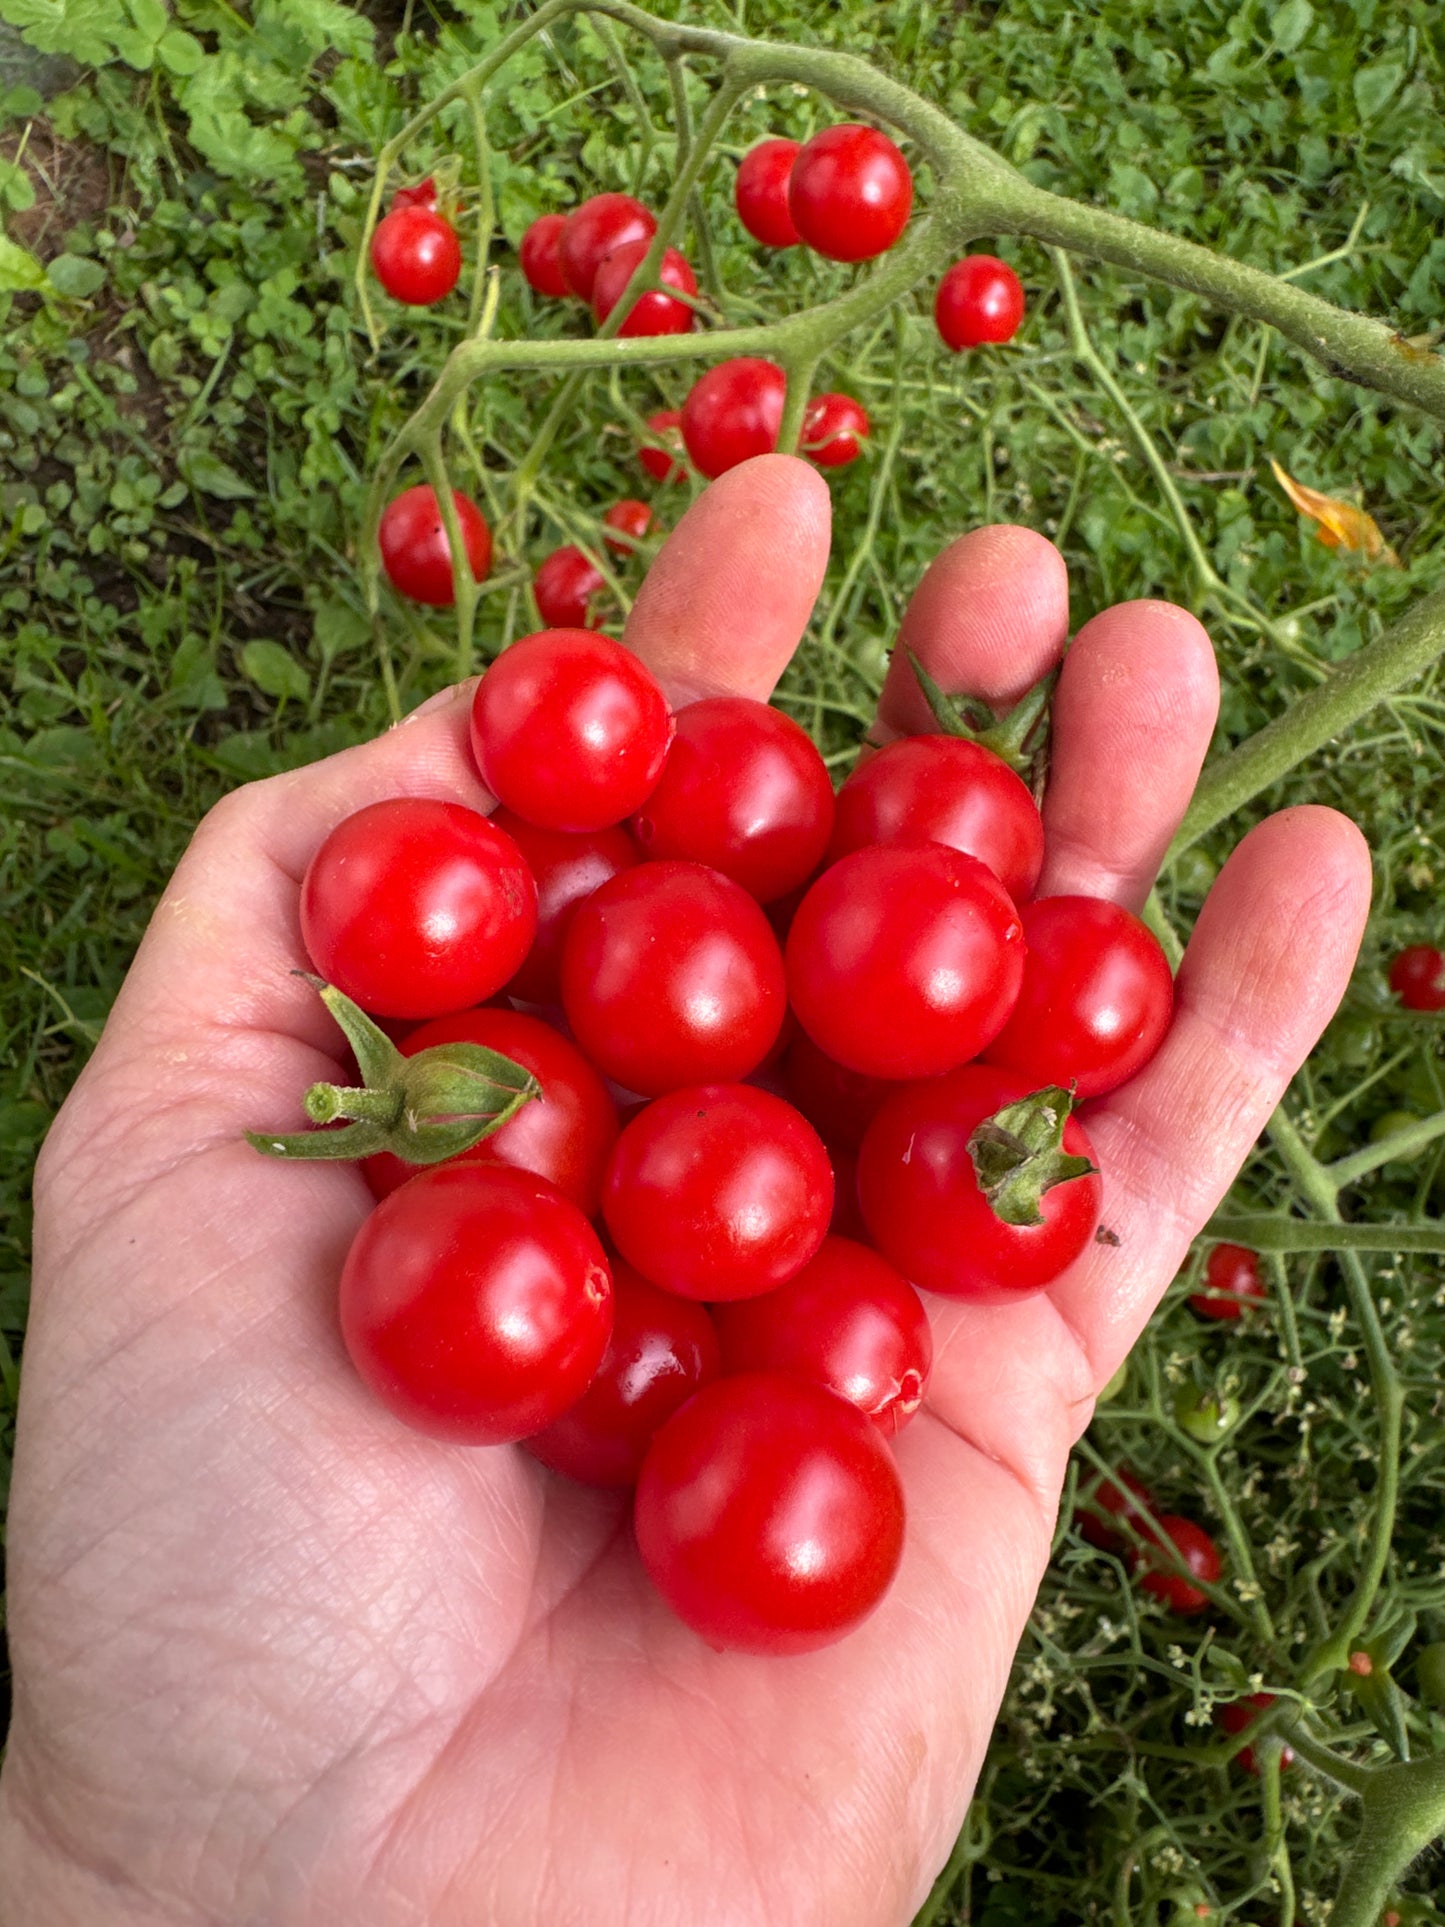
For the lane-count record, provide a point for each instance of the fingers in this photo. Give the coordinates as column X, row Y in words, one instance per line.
column 1133, row 714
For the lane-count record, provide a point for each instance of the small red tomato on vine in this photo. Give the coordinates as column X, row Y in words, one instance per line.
column 1417, row 977
column 541, row 257
column 661, row 457
column 415, row 551
column 761, row 192
column 424, row 194
column 850, row 193
column 653, row 312
column 1123, row 1498
column 1237, row 1716
column 1231, row 1282
column 630, row 520
column 980, row 299
column 565, row 584
column 835, row 428
column 416, row 255
column 593, row 230
column 1190, row 1544
column 733, row 412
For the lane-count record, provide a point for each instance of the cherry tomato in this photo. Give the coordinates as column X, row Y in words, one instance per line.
column 593, row 230
column 1238, row 1716
column 761, row 192
column 631, row 519
column 541, row 256
column 848, row 1322
column 835, row 428
column 416, row 255
column 671, row 975
column 569, row 730
column 652, row 313
column 733, row 412
column 1124, row 1497
column 476, row 1303
column 662, row 1350
column 743, row 790
column 1096, row 998
column 1232, row 1281
column 839, row 1104
column 415, row 551
column 922, row 1203
column 944, row 789
column 850, row 193
column 1194, row 1547
column 1417, row 977
column 566, row 1135
column 565, row 584
column 718, row 1191
column 415, row 908
column 904, row 960
column 769, row 1515
column 424, row 194
column 847, row 1218
column 658, row 460
column 567, row 869
column 979, row 299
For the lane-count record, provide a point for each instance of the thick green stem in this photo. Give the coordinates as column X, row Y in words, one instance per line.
column 1265, row 1231
column 1404, row 1813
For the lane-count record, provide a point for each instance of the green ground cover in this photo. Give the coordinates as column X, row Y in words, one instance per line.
column 189, row 410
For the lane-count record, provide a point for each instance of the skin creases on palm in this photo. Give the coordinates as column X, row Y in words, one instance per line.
column 279, row 1661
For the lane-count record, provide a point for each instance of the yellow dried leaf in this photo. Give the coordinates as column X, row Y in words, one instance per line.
column 1341, row 524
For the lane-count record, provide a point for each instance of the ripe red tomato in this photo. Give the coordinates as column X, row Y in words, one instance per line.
column 923, row 1206
column 564, row 585
column 1238, row 1716
column 743, row 790
column 904, row 960
column 835, row 428
column 733, row 412
column 593, row 230
column 761, row 192
column 415, row 908
column 944, row 789
column 1124, row 1497
column 476, row 1303
column 658, row 459
column 839, row 1104
column 566, row 1135
column 718, row 1191
column 415, row 551
column 569, row 730
column 1232, row 1281
column 979, row 299
column 1194, row 1547
column 1096, row 998
column 671, row 975
column 424, row 194
column 769, row 1515
column 416, row 255
column 662, row 1350
column 631, row 519
column 567, row 869
column 540, row 254
column 850, row 193
column 653, row 313
column 848, row 1322
column 1417, row 977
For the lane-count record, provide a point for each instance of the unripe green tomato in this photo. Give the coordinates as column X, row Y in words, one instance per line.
column 1205, row 1415
column 1430, row 1674
column 1355, row 1038
column 1193, row 874
column 1392, row 1123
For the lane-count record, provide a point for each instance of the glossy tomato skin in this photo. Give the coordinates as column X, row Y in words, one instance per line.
column 732, row 413
column 416, row 255
column 566, row 868
column 979, row 299
column 904, row 960
column 761, row 192
column 944, row 789
column 1231, row 1282
column 718, row 1191
column 923, row 1207
column 415, row 551
column 1417, row 977
column 566, row 1135
column 424, row 194
column 835, row 428
column 848, row 1322
column 661, row 457
column 769, row 1515
column 662, row 1350
column 415, row 908
column 743, row 790
column 850, row 193
column 565, row 585
column 570, row 730
column 541, row 256
column 476, row 1303
column 839, row 1104
column 1124, row 1497
column 590, row 233
column 631, row 520
column 671, row 975
column 1199, row 1554
column 652, row 313
column 1096, row 998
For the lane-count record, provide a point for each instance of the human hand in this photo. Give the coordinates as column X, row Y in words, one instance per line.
column 278, row 1660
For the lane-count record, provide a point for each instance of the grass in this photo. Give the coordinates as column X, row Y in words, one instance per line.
column 188, row 413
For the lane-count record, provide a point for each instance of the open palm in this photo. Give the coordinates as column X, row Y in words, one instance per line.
column 278, row 1661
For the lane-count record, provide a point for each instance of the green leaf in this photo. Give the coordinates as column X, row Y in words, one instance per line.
column 20, row 272
column 275, row 671
column 1290, row 23
column 150, row 17
column 84, row 29
column 75, row 275
column 338, row 628
column 212, row 476
column 1376, row 85
column 180, row 52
